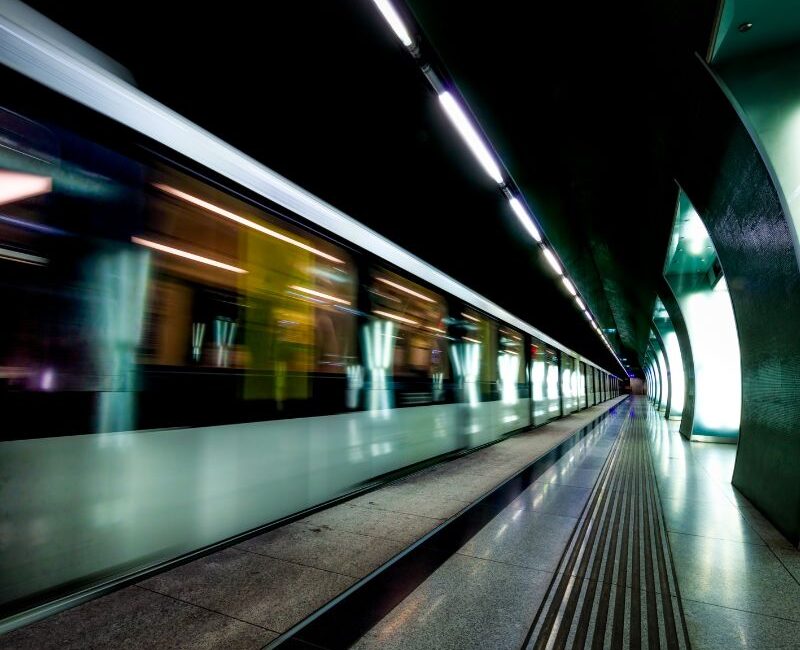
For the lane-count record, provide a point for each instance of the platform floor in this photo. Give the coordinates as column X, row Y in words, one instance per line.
column 661, row 552
column 246, row 595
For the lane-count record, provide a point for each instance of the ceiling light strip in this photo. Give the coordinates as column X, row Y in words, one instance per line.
column 470, row 133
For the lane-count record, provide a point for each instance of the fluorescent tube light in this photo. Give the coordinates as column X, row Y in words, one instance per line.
column 551, row 260
column 394, row 20
column 470, row 135
column 525, row 218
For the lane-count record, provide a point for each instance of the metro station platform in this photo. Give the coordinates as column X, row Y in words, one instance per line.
column 602, row 529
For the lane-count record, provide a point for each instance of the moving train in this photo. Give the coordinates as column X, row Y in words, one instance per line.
column 192, row 347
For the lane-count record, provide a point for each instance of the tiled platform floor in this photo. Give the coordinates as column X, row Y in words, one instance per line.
column 737, row 577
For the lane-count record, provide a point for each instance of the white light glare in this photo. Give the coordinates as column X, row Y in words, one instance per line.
column 319, row 294
column 411, row 292
column 16, row 186
column 570, row 287
column 394, row 20
column 551, row 260
column 525, row 218
column 581, row 306
column 18, row 256
column 222, row 212
column 396, row 317
column 467, row 131
column 186, row 254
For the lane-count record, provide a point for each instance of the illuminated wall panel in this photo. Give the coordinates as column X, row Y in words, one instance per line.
column 718, row 382
column 696, row 278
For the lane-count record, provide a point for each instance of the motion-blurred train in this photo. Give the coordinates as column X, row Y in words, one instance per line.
column 192, row 347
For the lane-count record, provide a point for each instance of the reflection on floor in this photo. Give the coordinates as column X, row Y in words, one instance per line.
column 737, row 578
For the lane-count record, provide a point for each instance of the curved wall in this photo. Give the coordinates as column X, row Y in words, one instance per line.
column 721, row 170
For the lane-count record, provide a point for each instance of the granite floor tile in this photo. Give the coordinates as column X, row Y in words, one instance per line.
column 712, row 627
column 790, row 558
column 553, row 499
column 137, row 618
column 261, row 590
column 410, row 500
column 771, row 536
column 447, row 611
column 375, row 523
column 700, row 488
column 494, row 466
column 324, row 547
column 584, row 478
column 591, row 460
column 737, row 575
column 523, row 537
column 717, row 519
column 667, row 470
column 462, row 486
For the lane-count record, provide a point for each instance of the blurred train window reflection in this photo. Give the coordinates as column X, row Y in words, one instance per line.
column 149, row 298
column 477, row 341
column 511, row 365
column 569, row 383
column 406, row 342
column 278, row 308
column 27, row 157
column 544, row 382
column 581, row 385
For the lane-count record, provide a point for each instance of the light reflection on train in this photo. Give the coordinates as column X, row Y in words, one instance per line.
column 179, row 366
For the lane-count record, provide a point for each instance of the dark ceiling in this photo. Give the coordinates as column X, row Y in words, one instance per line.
column 572, row 97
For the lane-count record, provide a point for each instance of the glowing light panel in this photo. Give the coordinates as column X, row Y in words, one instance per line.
column 715, row 350
column 525, row 219
column 395, row 22
column 552, row 261
column 470, row 135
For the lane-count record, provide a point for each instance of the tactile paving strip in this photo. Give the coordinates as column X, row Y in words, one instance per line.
column 616, row 586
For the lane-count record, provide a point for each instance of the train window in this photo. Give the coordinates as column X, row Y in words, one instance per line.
column 581, row 385
column 544, row 382
column 412, row 318
column 263, row 296
column 477, row 336
column 169, row 298
column 510, row 363
column 27, row 173
column 569, row 383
